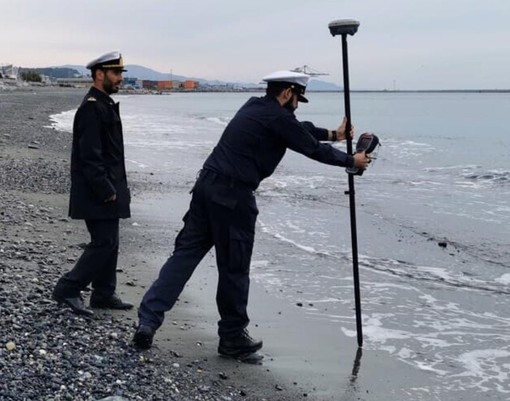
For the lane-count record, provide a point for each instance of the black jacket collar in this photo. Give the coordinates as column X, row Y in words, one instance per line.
column 100, row 95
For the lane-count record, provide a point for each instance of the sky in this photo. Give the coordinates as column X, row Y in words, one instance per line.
column 400, row 44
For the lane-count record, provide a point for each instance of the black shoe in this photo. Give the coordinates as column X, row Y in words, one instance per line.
column 112, row 302
column 75, row 303
column 143, row 337
column 239, row 345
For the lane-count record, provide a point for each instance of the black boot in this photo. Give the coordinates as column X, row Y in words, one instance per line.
column 239, row 345
column 143, row 337
column 111, row 302
column 75, row 302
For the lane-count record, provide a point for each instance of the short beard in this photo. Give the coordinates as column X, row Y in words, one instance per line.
column 289, row 106
column 108, row 87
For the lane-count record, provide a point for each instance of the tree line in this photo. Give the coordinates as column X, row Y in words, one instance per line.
column 31, row 76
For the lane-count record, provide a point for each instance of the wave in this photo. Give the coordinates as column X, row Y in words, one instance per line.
column 401, row 268
column 493, row 177
column 437, row 275
column 223, row 121
column 62, row 121
column 475, row 174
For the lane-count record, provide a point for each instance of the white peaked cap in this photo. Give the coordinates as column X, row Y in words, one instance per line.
column 111, row 59
column 288, row 76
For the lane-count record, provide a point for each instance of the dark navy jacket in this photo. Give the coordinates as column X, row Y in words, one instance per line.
column 97, row 160
column 255, row 141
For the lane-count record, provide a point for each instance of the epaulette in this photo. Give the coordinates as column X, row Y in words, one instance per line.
column 91, row 99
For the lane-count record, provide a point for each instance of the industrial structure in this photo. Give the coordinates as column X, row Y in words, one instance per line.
column 8, row 71
column 305, row 69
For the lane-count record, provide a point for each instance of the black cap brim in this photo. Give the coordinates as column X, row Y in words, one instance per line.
column 121, row 69
column 105, row 67
column 302, row 99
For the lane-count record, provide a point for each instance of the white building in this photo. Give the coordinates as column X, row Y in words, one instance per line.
column 8, row 71
column 75, row 82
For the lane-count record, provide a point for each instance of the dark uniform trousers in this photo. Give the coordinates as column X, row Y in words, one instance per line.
column 97, row 264
column 222, row 214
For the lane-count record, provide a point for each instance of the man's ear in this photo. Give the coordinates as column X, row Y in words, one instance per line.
column 287, row 92
column 100, row 75
column 284, row 96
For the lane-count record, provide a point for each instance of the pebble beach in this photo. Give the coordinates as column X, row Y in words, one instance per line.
column 47, row 352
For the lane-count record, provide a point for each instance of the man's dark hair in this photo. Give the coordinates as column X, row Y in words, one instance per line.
column 275, row 88
column 93, row 73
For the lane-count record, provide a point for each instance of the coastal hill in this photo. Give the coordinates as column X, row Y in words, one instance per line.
column 141, row 72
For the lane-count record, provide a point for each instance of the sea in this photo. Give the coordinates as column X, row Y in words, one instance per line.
column 433, row 224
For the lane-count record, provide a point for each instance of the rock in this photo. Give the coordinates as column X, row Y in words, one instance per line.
column 10, row 346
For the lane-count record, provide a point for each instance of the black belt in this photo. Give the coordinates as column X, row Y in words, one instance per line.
column 214, row 176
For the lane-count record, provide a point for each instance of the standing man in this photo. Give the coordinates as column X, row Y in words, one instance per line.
column 99, row 190
column 223, row 210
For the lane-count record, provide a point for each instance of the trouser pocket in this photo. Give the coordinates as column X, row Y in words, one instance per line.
column 241, row 248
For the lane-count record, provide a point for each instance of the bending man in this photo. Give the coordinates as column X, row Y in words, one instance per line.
column 223, row 209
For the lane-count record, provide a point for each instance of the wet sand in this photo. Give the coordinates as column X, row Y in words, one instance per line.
column 303, row 357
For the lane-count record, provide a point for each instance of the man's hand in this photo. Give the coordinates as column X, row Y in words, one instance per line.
column 361, row 160
column 340, row 132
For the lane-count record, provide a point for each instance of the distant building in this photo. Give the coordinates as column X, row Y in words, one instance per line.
column 168, row 85
column 46, row 80
column 164, row 85
column 75, row 82
column 150, row 85
column 190, row 85
column 132, row 83
column 8, row 71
